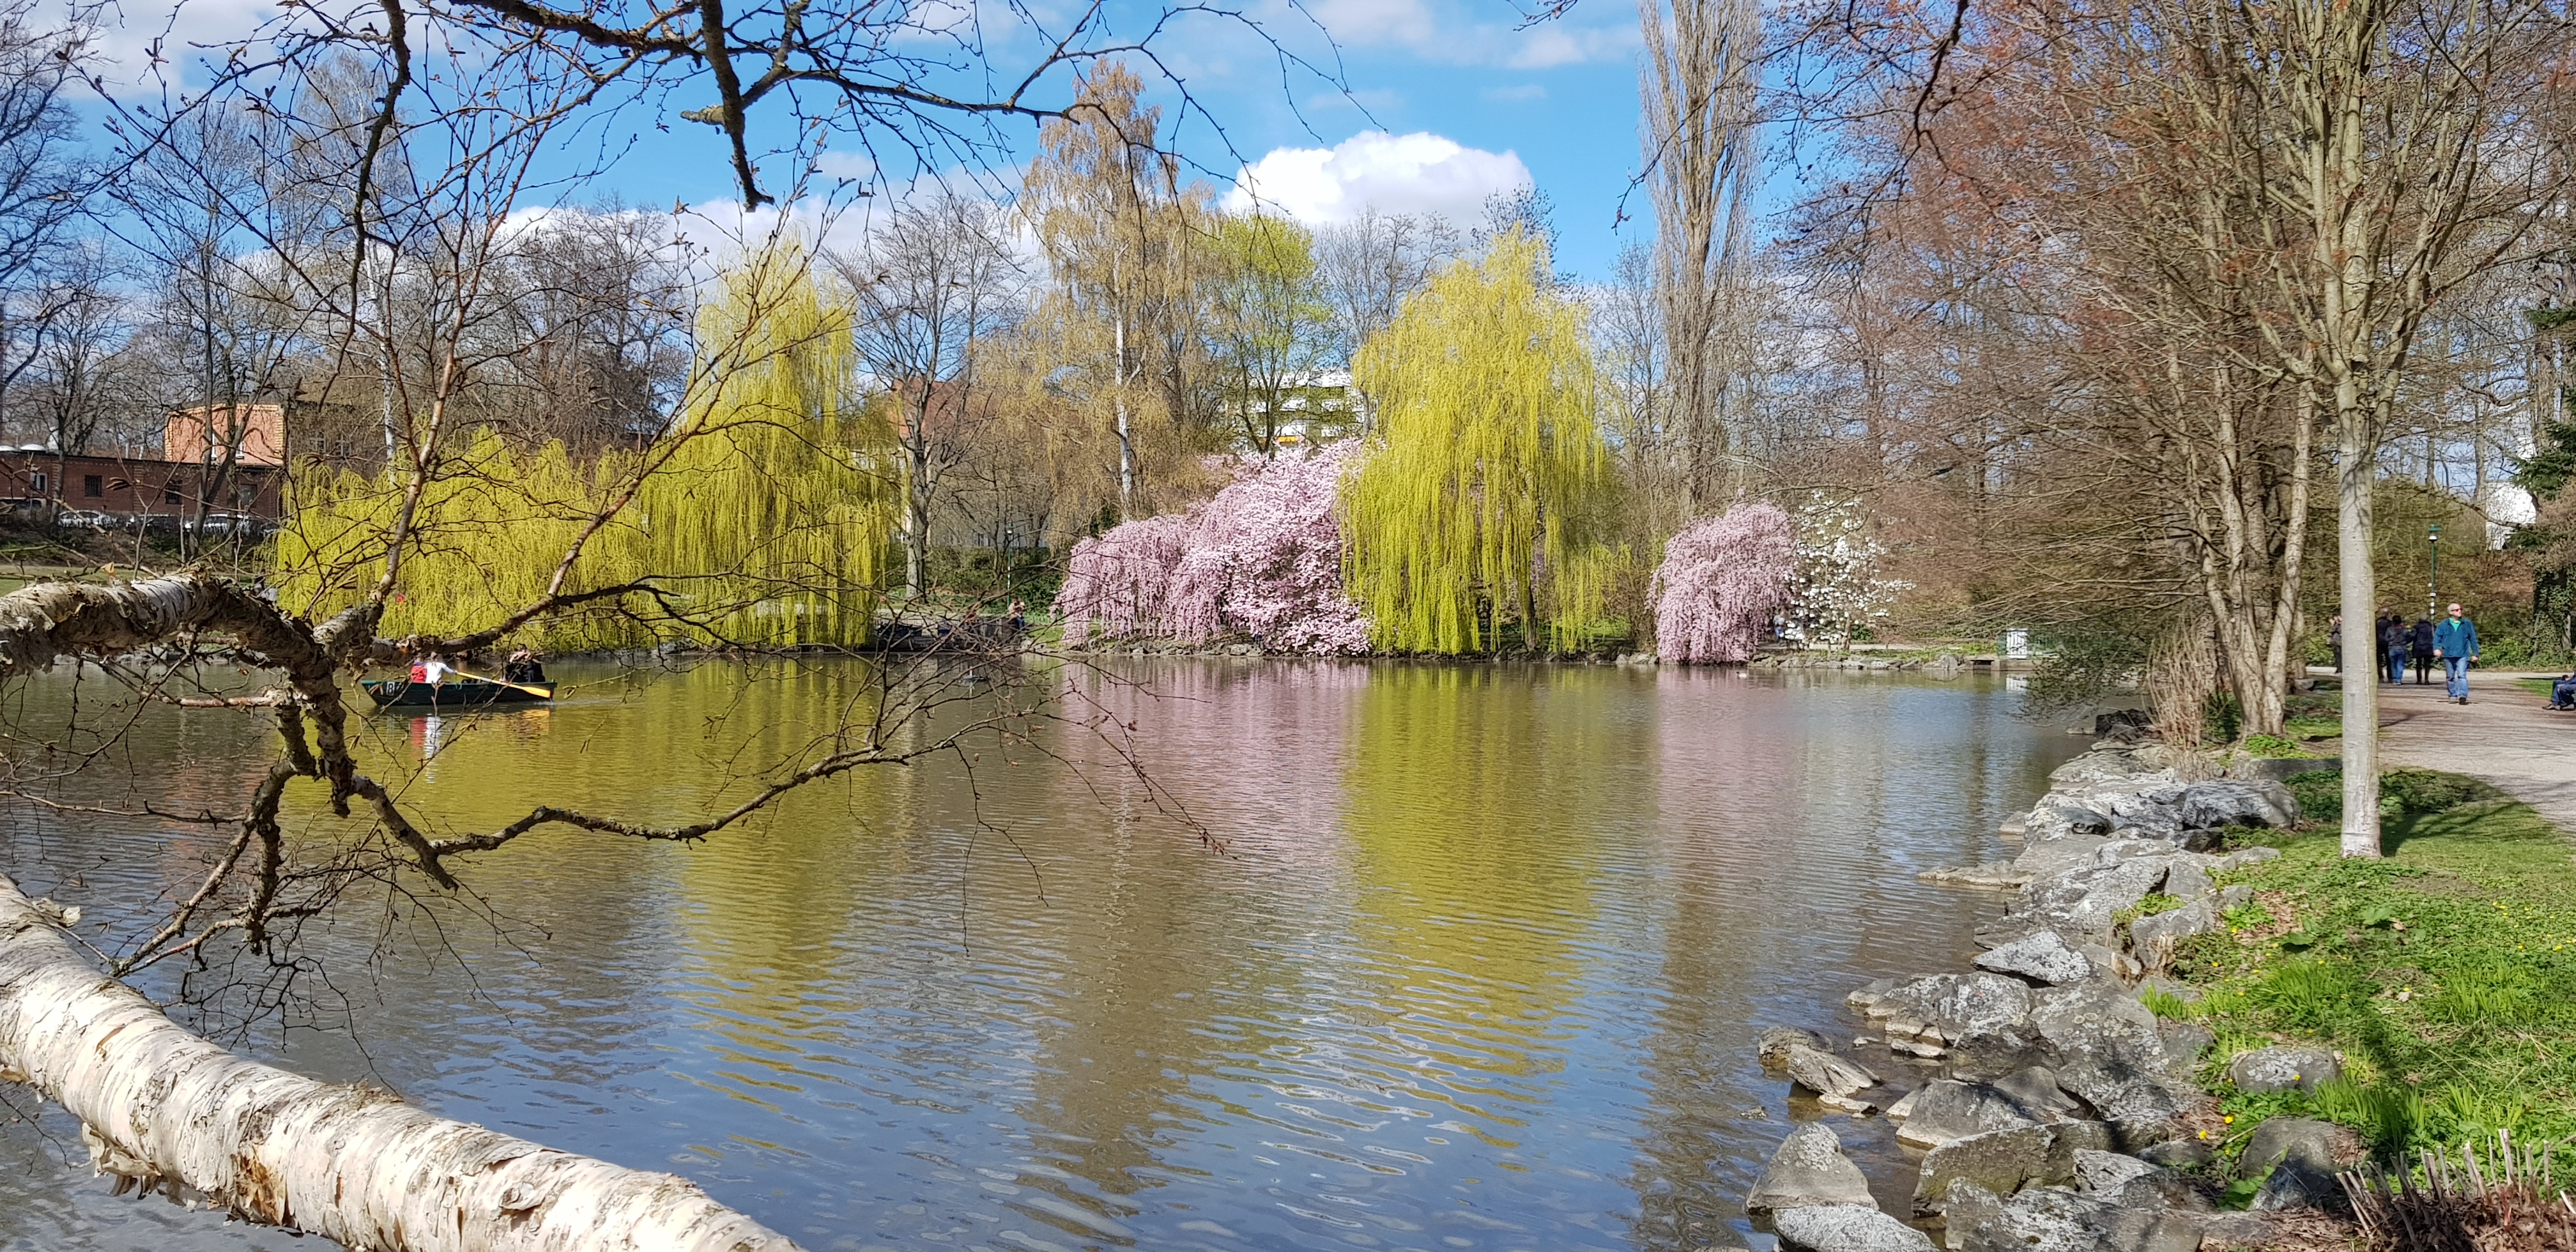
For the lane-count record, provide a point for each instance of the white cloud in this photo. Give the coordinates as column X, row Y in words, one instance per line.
column 1416, row 173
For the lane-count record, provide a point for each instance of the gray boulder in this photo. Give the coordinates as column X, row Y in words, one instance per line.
column 2036, row 1090
column 1945, row 1110
column 2043, row 958
column 2178, row 1153
column 2238, row 802
column 2154, row 938
column 1773, row 1046
column 2283, row 1069
column 2185, row 1042
column 2320, row 1146
column 2003, row 875
column 2144, row 1105
column 2049, row 1219
column 2187, row 880
column 2135, row 1183
column 1982, row 1013
column 2243, row 857
column 1847, row 1228
column 2005, row 1161
column 1809, row 1169
column 2098, row 1022
column 2303, row 1155
column 1834, row 1080
column 2084, row 902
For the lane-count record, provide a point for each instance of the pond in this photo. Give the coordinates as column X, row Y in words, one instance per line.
column 1475, row 958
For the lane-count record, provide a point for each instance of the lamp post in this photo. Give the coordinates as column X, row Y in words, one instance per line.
column 2433, row 580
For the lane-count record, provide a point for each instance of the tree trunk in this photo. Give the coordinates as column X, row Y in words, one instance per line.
column 2354, row 474
column 164, row 1108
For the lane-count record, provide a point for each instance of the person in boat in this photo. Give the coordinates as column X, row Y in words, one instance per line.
column 430, row 669
column 523, row 667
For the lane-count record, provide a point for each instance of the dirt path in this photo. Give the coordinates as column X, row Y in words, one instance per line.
column 2502, row 735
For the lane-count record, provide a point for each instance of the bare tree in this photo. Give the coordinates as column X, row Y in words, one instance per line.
column 1369, row 264
column 933, row 284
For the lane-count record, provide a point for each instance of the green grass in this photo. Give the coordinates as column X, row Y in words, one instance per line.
column 2445, row 973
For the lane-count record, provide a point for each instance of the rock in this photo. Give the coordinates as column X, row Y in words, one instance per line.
column 2098, row 1022
column 2047, row 1219
column 2035, row 1089
column 2001, row 875
column 2185, row 880
column 2302, row 1155
column 1904, row 1106
column 2238, row 802
column 2005, row 1161
column 1945, row 1110
column 2042, row 958
column 2235, row 897
column 2177, row 1153
column 2243, row 857
column 2184, row 1043
column 1773, row 1046
column 1809, row 1169
column 2084, row 902
column 2154, row 939
column 2283, row 1069
column 2135, row 1183
column 2144, row 1105
column 2105, row 723
column 1835, row 1080
column 2120, row 966
column 1986, row 1015
column 2280, row 768
column 2320, row 1146
column 1847, row 1228
column 2107, row 1171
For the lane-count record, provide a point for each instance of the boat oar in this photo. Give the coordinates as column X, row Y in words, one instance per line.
column 542, row 693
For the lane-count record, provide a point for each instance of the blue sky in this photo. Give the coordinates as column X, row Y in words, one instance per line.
column 1467, row 102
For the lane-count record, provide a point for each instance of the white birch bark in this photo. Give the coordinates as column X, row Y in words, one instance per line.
column 169, row 1110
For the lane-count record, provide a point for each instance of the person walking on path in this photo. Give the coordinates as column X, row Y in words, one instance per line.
column 2419, row 645
column 2334, row 640
column 2392, row 647
column 2455, row 641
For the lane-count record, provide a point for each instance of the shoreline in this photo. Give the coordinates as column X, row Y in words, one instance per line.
column 2039, row 1095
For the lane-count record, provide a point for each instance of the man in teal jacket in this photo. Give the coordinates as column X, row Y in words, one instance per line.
column 2455, row 641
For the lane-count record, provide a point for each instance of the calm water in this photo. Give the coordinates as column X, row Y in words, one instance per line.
column 1479, row 965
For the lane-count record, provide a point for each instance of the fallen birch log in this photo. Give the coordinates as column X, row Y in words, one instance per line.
column 165, row 1109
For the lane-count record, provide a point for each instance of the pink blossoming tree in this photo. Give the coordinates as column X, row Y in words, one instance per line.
column 1261, row 561
column 1721, row 581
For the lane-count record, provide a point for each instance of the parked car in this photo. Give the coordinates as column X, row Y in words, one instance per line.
column 84, row 519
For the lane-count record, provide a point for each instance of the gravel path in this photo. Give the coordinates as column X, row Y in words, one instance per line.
column 2503, row 735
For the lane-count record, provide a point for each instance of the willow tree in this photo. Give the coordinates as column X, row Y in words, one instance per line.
column 1485, row 447
column 758, row 519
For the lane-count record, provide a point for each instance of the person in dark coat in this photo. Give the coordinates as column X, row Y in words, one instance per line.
column 2419, row 647
column 2334, row 640
column 2394, row 643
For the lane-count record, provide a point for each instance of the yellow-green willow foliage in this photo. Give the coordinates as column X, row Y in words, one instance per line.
column 1484, row 452
column 760, row 518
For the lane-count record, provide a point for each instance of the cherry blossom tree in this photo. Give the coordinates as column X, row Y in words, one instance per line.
column 1118, row 583
column 1722, row 580
column 1261, row 561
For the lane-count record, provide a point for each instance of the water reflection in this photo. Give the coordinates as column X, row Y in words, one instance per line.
column 1477, row 962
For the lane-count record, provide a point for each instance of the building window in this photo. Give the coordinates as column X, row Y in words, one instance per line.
column 36, row 482
column 169, row 494
column 92, row 487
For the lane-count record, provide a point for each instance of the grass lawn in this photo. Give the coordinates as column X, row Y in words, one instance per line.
column 2445, row 973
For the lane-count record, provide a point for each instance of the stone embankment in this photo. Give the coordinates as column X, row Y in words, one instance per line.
column 2053, row 1110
